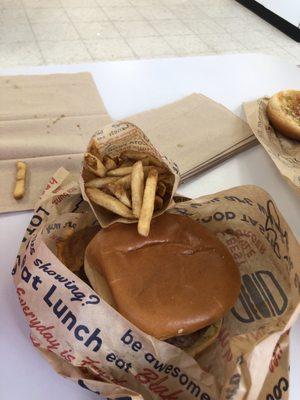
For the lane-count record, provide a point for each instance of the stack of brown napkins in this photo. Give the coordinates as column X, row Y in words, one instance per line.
column 47, row 121
column 196, row 132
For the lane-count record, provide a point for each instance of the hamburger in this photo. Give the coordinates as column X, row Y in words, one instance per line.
column 283, row 111
column 176, row 284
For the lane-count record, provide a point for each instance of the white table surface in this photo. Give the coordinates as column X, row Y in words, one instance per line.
column 128, row 87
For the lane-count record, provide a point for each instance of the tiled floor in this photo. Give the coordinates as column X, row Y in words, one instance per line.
column 34, row 32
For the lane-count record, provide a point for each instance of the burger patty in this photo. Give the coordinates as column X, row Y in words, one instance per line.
column 186, row 341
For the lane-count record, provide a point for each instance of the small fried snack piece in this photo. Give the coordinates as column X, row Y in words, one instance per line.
column 120, row 193
column 125, row 181
column 100, row 182
column 148, row 203
column 109, row 163
column 120, row 171
column 137, row 188
column 95, row 148
column 19, row 190
column 109, row 202
column 94, row 165
column 137, row 155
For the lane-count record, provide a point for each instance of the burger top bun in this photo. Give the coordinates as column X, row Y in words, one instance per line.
column 283, row 111
column 177, row 280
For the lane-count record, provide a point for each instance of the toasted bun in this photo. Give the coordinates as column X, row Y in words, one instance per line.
column 283, row 111
column 98, row 282
column 194, row 345
column 176, row 281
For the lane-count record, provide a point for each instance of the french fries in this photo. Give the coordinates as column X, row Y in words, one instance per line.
column 124, row 181
column 120, row 193
column 109, row 202
column 94, row 164
column 137, row 188
column 120, row 171
column 131, row 185
column 126, row 163
column 128, row 170
column 109, row 163
column 148, row 203
column 95, row 148
column 136, row 155
column 100, row 182
column 19, row 190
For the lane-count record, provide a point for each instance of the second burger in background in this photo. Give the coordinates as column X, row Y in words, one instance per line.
column 176, row 284
column 283, row 111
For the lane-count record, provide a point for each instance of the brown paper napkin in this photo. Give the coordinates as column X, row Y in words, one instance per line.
column 195, row 132
column 49, row 96
column 46, row 121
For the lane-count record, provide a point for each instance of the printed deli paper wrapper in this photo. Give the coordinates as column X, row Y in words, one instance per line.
column 87, row 341
column 115, row 138
column 285, row 152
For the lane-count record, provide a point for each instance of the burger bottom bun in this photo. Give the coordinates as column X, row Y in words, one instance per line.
column 205, row 336
column 282, row 111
